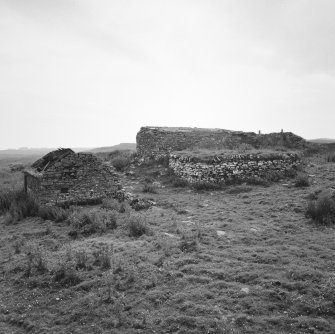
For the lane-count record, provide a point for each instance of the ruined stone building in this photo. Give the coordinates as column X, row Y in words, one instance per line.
column 64, row 177
column 224, row 162
column 161, row 140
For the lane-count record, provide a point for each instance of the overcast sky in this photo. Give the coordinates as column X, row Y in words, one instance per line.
column 86, row 73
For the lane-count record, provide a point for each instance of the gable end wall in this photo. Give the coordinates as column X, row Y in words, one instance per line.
column 77, row 178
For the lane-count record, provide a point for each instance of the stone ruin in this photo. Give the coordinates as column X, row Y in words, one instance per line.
column 224, row 162
column 162, row 140
column 63, row 177
column 233, row 167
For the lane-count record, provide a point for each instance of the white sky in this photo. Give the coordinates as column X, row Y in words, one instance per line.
column 92, row 72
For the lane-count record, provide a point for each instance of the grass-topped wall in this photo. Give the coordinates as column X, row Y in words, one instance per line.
column 162, row 140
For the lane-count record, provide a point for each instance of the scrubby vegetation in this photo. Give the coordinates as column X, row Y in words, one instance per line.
column 243, row 259
column 54, row 213
column 330, row 157
column 18, row 205
column 149, row 188
column 322, row 210
column 120, row 159
column 136, row 225
column 174, row 180
column 202, row 185
column 90, row 221
column 301, row 180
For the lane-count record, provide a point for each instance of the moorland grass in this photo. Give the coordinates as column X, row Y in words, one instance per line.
column 271, row 272
column 54, row 213
column 90, row 221
column 120, row 159
column 149, row 188
column 17, row 205
column 137, row 226
column 322, row 210
column 301, row 180
column 330, row 157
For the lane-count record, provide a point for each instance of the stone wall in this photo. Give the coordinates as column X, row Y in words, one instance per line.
column 161, row 140
column 232, row 167
column 77, row 178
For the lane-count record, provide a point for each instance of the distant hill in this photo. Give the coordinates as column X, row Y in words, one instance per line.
column 34, row 151
column 27, row 156
column 322, row 141
column 25, row 151
column 120, row 147
column 39, row 152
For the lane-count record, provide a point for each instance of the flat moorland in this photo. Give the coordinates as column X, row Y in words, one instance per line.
column 242, row 259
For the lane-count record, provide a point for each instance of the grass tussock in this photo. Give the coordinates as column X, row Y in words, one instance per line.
column 54, row 213
column 113, row 204
column 301, row 180
column 87, row 222
column 206, row 186
column 239, row 189
column 66, row 275
column 322, row 210
column 330, row 157
column 137, row 225
column 36, row 263
column 171, row 178
column 121, row 163
column 110, row 204
column 328, row 288
column 179, row 183
column 102, row 257
column 188, row 246
column 149, row 188
column 258, row 181
column 18, row 205
column 292, row 172
column 6, row 199
column 120, row 159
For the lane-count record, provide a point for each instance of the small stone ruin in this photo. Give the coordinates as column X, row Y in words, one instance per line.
column 63, row 177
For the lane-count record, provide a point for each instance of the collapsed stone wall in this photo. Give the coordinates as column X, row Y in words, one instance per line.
column 232, row 167
column 77, row 178
column 158, row 141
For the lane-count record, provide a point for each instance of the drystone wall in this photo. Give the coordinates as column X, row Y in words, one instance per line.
column 158, row 141
column 233, row 167
column 77, row 178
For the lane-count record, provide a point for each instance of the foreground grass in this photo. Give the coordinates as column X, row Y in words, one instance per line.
column 226, row 261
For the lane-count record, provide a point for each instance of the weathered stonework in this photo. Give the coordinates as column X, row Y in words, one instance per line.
column 157, row 141
column 232, row 167
column 74, row 178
